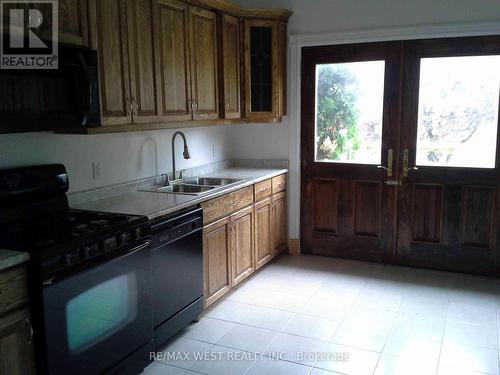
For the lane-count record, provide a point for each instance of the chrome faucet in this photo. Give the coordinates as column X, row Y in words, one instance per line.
column 185, row 152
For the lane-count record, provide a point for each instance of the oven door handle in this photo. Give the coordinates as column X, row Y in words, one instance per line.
column 142, row 246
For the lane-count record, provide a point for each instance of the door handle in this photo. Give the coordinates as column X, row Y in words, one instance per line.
column 406, row 168
column 390, row 159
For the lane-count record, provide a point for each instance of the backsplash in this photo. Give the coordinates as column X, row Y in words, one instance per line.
column 78, row 198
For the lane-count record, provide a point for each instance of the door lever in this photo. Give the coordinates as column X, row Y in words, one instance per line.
column 390, row 157
column 406, row 168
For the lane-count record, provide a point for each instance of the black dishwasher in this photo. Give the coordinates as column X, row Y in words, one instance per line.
column 177, row 262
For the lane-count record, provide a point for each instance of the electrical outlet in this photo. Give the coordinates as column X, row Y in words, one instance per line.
column 96, row 170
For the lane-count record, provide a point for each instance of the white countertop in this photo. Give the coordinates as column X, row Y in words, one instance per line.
column 153, row 205
column 9, row 258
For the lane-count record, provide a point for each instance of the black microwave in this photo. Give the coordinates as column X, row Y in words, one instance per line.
column 61, row 99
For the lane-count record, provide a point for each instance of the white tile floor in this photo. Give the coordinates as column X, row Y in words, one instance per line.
column 365, row 318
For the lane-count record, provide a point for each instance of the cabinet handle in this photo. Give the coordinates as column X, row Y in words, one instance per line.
column 30, row 327
column 129, row 108
column 262, row 189
column 227, row 106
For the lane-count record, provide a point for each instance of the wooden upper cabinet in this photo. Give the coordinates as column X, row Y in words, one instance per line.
column 141, row 46
column 203, row 47
column 174, row 71
column 230, row 30
column 107, row 19
column 265, row 49
column 261, row 79
column 73, row 26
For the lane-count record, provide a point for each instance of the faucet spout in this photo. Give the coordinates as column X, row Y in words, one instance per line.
column 185, row 153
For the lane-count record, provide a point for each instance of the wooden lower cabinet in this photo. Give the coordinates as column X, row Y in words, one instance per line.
column 242, row 244
column 16, row 347
column 249, row 236
column 263, row 232
column 16, row 334
column 279, row 232
column 216, row 260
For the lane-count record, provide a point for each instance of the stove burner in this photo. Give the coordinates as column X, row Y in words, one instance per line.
column 61, row 226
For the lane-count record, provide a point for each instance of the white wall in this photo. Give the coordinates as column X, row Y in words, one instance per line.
column 317, row 22
column 122, row 156
column 313, row 16
column 259, row 141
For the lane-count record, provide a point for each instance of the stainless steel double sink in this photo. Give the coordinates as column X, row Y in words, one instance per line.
column 194, row 186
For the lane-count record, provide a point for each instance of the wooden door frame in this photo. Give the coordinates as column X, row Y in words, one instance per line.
column 298, row 41
column 444, row 183
column 384, row 241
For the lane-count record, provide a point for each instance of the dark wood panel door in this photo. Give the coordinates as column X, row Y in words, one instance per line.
column 203, row 48
column 108, row 29
column 351, row 101
column 143, row 65
column 449, row 194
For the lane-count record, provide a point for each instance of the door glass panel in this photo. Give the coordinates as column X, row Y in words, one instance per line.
column 458, row 111
column 349, row 109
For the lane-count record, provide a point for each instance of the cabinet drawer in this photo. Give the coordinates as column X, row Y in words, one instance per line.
column 13, row 288
column 279, row 183
column 263, row 189
column 227, row 204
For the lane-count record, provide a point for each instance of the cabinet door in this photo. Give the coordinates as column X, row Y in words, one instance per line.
column 262, row 232
column 279, row 232
column 242, row 241
column 144, row 93
column 261, row 69
column 216, row 259
column 173, row 77
column 16, row 348
column 230, row 28
column 108, row 35
column 72, row 22
column 203, row 48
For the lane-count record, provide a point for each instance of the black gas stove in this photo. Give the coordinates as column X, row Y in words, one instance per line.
column 89, row 273
column 65, row 239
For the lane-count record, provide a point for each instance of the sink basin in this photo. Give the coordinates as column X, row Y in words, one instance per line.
column 194, row 186
column 211, row 181
column 182, row 189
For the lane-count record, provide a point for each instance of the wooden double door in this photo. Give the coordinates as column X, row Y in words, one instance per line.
column 400, row 154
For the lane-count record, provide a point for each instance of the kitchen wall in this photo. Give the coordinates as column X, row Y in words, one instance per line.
column 121, row 156
column 319, row 16
column 330, row 21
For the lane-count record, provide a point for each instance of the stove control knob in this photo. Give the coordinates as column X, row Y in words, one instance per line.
column 67, row 260
column 85, row 252
column 125, row 237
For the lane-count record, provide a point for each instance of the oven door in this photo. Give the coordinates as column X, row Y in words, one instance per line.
column 98, row 317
